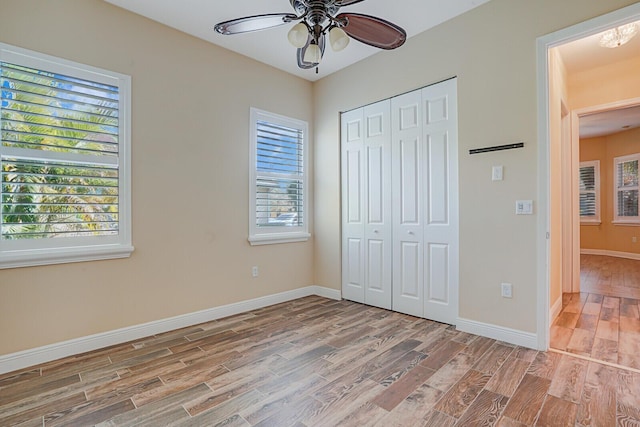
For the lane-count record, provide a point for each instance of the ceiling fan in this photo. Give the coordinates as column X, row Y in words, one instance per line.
column 316, row 19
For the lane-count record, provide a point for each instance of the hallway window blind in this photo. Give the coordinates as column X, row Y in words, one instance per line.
column 279, row 177
column 590, row 192
column 62, row 160
column 626, row 208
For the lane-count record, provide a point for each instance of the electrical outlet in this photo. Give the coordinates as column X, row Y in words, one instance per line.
column 254, row 271
column 507, row 290
column 634, row 239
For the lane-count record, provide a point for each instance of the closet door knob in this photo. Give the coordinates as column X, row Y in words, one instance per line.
column 375, row 231
column 410, row 232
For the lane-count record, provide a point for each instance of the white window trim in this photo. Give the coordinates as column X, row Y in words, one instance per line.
column 623, row 220
column 274, row 235
column 595, row 220
column 21, row 253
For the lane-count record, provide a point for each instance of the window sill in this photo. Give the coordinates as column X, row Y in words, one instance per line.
column 631, row 223
column 32, row 258
column 275, row 238
column 590, row 222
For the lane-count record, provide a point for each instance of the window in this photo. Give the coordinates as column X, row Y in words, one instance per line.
column 64, row 161
column 278, row 182
column 590, row 192
column 625, row 191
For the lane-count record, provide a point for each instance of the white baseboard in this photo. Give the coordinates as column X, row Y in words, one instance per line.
column 23, row 359
column 512, row 336
column 627, row 255
column 556, row 308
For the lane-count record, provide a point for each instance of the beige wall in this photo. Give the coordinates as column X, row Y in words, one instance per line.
column 492, row 50
column 190, row 117
column 608, row 236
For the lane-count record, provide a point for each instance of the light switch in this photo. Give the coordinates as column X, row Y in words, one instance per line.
column 496, row 173
column 524, row 207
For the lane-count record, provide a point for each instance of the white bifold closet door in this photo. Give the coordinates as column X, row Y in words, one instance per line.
column 366, row 207
column 400, row 203
column 425, row 208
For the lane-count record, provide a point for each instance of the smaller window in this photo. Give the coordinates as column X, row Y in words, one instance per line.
column 278, row 192
column 590, row 192
column 625, row 191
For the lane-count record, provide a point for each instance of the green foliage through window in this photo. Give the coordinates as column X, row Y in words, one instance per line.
column 59, row 155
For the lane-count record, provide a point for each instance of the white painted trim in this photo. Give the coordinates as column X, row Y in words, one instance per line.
column 556, row 308
column 627, row 255
column 543, row 44
column 26, row 358
column 512, row 336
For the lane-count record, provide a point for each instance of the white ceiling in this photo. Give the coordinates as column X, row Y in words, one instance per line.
column 197, row 17
column 585, row 54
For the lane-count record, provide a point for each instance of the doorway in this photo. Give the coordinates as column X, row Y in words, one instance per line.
column 577, row 320
column 560, row 108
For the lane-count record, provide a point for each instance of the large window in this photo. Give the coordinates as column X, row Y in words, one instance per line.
column 625, row 192
column 590, row 192
column 64, row 158
column 278, row 182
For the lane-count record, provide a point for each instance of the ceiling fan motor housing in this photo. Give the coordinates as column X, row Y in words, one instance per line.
column 317, row 11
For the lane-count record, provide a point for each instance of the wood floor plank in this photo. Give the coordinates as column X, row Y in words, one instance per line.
column 567, row 384
column 399, row 390
column 506, row 379
column 491, row 361
column 412, row 410
column 557, row 412
column 462, row 394
column 444, row 378
column 484, row 411
column 442, row 355
column 527, row 400
column 628, row 398
column 598, row 403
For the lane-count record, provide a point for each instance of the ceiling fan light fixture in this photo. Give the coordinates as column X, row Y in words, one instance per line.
column 313, row 54
column 619, row 36
column 338, row 39
column 298, row 35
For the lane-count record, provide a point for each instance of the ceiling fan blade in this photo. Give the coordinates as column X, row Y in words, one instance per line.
column 373, row 31
column 342, row 3
column 254, row 23
column 307, row 65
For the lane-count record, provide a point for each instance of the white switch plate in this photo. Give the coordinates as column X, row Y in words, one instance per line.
column 496, row 173
column 507, row 290
column 524, row 207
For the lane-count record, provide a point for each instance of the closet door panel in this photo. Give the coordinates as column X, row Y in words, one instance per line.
column 407, row 153
column 353, row 241
column 441, row 202
column 377, row 204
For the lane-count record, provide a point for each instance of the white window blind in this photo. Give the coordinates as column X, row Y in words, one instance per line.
column 63, row 162
column 590, row 192
column 626, row 208
column 278, row 182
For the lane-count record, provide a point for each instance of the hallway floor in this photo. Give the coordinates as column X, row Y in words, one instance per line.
column 603, row 321
column 602, row 327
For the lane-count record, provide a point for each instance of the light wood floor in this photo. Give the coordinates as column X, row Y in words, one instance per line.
column 611, row 276
column 602, row 322
column 318, row 362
